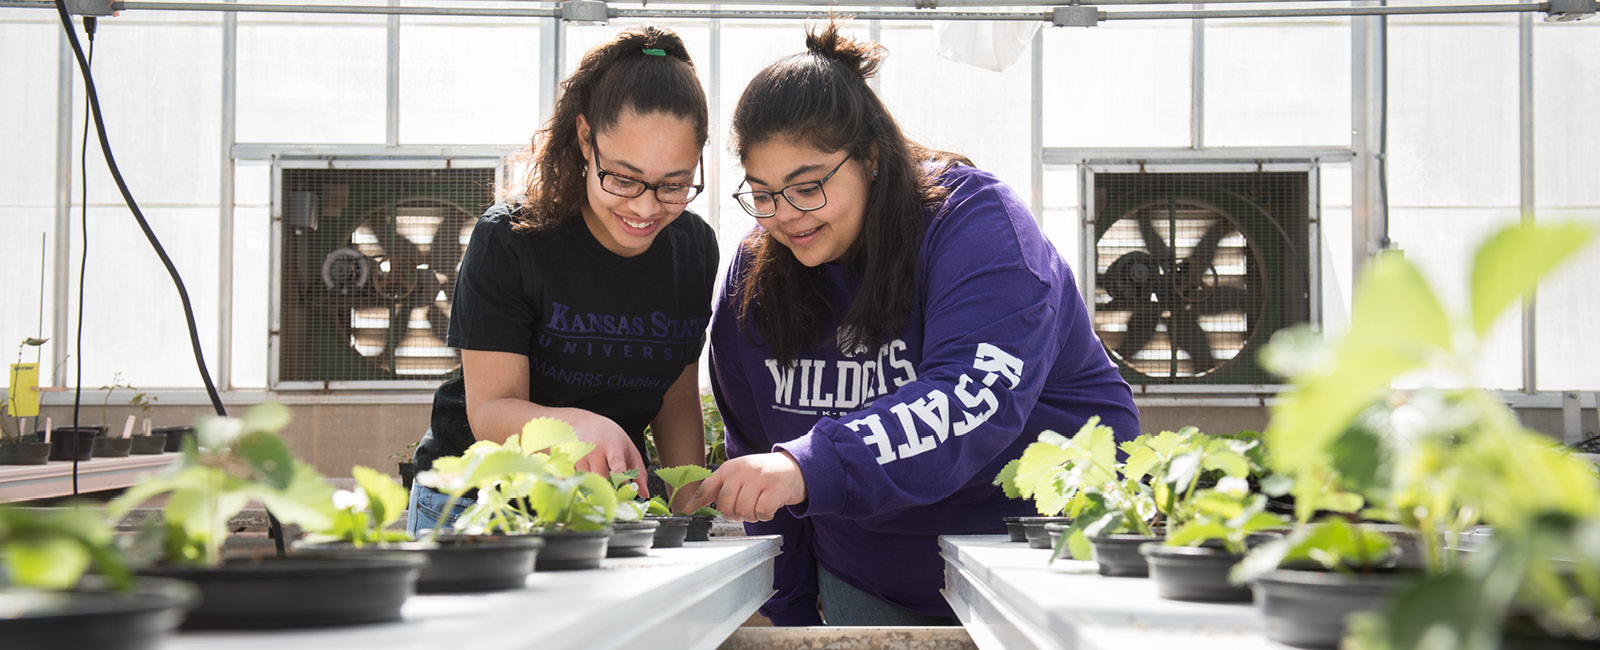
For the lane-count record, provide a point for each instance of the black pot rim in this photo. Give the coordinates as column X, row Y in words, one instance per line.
column 1167, row 552
column 443, row 544
column 620, row 526
column 1313, row 578
column 148, row 594
column 571, row 534
column 667, row 519
column 291, row 566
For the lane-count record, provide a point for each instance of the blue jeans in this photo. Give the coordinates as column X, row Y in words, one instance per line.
column 843, row 604
column 427, row 504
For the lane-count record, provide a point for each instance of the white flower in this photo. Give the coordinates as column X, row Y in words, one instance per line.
column 1233, row 486
column 350, row 500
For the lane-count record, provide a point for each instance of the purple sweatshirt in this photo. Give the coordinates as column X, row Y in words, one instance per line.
column 900, row 445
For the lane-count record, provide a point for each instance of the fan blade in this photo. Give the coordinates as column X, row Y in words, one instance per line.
column 1205, row 252
column 1141, row 328
column 1152, row 239
column 1187, row 336
column 1225, row 300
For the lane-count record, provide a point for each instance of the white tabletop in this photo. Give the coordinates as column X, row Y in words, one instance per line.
column 679, row 598
column 1011, row 597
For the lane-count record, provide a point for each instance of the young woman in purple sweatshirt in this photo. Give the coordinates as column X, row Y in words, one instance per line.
column 894, row 331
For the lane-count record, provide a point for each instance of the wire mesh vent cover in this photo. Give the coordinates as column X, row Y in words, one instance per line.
column 370, row 258
column 1195, row 271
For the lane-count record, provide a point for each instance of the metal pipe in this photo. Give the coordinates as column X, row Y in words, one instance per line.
column 225, row 199
column 920, row 15
column 65, row 72
column 1525, row 107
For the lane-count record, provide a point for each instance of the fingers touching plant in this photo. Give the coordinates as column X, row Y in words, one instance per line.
column 676, row 478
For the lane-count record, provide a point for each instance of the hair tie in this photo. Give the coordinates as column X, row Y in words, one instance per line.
column 655, row 52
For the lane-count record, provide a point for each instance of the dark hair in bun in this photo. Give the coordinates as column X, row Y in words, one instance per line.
column 820, row 99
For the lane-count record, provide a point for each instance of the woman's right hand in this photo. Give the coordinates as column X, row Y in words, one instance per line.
column 613, row 453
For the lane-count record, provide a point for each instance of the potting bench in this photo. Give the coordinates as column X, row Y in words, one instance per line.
column 54, row 479
column 688, row 598
column 1011, row 597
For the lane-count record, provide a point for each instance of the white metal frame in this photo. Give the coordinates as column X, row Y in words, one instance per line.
column 1209, row 161
column 351, row 158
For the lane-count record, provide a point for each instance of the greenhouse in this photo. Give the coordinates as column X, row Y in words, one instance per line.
column 744, row 324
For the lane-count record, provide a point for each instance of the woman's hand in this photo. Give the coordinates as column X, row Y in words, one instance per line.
column 752, row 488
column 613, row 453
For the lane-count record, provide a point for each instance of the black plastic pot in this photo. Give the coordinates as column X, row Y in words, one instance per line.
column 150, row 445
column 105, row 447
column 61, row 442
column 1308, row 608
column 24, row 453
column 568, row 550
column 175, row 436
column 699, row 528
column 1037, row 536
column 408, row 472
column 1193, row 573
column 456, row 563
column 1118, row 554
column 299, row 591
column 93, row 616
column 631, row 538
column 1015, row 529
column 671, row 531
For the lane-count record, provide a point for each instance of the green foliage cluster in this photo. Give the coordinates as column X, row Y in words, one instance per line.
column 229, row 463
column 52, row 548
column 1441, row 457
column 528, row 484
column 363, row 516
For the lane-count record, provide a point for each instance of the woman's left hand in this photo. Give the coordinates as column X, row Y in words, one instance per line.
column 752, row 488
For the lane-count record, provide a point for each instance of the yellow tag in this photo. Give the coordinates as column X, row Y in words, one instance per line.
column 24, row 390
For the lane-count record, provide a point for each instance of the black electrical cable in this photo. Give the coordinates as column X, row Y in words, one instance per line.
column 276, row 528
column 89, row 23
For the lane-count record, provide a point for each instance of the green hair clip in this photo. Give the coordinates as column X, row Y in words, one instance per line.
column 655, row 52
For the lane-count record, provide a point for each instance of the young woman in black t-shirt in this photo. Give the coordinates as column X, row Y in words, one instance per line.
column 584, row 296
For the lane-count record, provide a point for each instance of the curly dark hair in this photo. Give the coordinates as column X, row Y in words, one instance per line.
column 820, row 99
column 614, row 77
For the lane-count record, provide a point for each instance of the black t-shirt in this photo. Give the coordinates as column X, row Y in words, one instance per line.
column 602, row 332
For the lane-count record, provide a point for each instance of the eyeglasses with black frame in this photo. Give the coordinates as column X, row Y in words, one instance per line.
column 805, row 197
column 629, row 187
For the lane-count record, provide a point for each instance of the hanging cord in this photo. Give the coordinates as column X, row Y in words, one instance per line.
column 89, row 24
column 275, row 528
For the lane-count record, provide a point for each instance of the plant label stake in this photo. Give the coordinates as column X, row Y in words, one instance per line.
column 127, row 428
column 24, row 389
column 48, row 425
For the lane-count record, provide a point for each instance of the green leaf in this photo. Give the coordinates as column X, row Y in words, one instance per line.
column 385, row 496
column 1513, row 260
column 53, row 563
column 1195, row 532
column 268, row 455
column 682, row 475
column 707, row 511
column 619, row 479
column 1276, row 485
column 540, row 434
column 267, row 417
column 656, row 506
column 1037, row 468
column 1007, row 479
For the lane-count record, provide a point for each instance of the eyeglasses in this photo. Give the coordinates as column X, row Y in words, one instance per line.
column 629, row 187
column 805, row 197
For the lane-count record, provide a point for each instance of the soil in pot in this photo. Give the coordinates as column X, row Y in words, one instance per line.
column 1118, row 554
column 112, row 447
column 24, row 453
column 567, row 550
column 631, row 538
column 93, row 616
column 699, row 528
column 150, row 445
column 1193, row 573
column 671, row 531
column 61, row 442
column 175, row 436
column 1015, row 532
column 299, row 591
column 1307, row 609
column 456, row 563
column 1036, row 535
